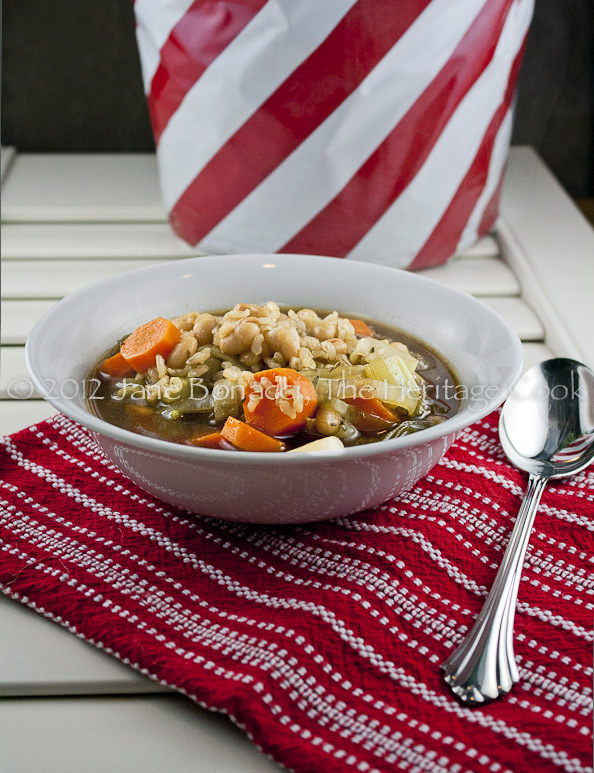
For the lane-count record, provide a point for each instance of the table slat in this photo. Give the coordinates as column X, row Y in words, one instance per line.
column 149, row 733
column 488, row 247
column 477, row 276
column 18, row 317
column 36, row 279
column 17, row 414
column 101, row 187
column 77, row 668
column 34, row 241
column 517, row 313
column 27, row 241
column 14, row 378
column 535, row 353
column 550, row 246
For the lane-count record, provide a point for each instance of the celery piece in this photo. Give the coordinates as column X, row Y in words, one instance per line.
column 226, row 398
column 384, row 351
column 394, row 371
column 342, row 388
column 195, row 405
column 171, row 394
column 354, row 371
column 398, row 395
column 410, row 361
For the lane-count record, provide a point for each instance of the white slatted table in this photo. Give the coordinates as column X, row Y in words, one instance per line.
column 71, row 220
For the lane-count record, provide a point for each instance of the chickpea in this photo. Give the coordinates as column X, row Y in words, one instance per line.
column 186, row 321
column 203, row 327
column 327, row 420
column 152, row 375
column 181, row 351
column 328, row 351
column 285, row 340
column 266, row 351
column 306, row 359
column 325, row 329
column 249, row 359
column 310, row 342
column 339, row 345
column 309, row 318
column 240, row 339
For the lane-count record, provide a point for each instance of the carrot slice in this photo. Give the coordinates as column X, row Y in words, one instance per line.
column 142, row 417
column 116, row 367
column 141, row 348
column 212, row 440
column 246, row 438
column 367, row 422
column 275, row 388
column 135, row 411
column 374, row 407
column 361, row 328
column 370, row 414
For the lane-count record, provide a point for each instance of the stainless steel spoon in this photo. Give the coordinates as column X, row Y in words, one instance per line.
column 547, row 430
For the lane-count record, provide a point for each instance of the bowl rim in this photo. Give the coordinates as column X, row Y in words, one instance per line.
column 451, row 426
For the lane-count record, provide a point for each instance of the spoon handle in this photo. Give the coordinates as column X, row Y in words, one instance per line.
column 484, row 667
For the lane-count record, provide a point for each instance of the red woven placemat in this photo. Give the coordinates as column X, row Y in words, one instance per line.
column 323, row 641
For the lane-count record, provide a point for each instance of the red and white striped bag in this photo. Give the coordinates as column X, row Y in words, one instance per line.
column 370, row 129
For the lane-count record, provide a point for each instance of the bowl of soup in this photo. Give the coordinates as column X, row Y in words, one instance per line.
column 273, row 388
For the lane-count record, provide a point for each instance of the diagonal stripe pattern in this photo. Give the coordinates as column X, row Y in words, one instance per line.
column 334, row 128
column 323, row 642
column 337, row 128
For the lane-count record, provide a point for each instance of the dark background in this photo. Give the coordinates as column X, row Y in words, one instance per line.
column 71, row 82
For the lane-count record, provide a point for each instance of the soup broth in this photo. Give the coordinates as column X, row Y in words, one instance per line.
column 216, row 380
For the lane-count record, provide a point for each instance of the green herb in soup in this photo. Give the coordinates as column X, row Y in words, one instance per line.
column 262, row 378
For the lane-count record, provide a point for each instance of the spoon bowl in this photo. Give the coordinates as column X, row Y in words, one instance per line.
column 547, row 423
column 547, row 430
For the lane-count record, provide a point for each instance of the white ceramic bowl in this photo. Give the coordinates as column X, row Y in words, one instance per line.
column 274, row 488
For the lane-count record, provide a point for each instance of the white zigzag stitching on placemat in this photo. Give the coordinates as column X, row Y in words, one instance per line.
column 239, row 527
column 474, row 521
column 389, row 557
column 435, row 554
column 139, row 526
column 483, row 472
column 534, row 564
column 532, row 557
column 235, row 589
column 176, row 518
column 536, row 745
column 79, row 438
column 484, row 500
column 236, row 648
column 308, row 649
column 382, row 593
column 534, row 560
